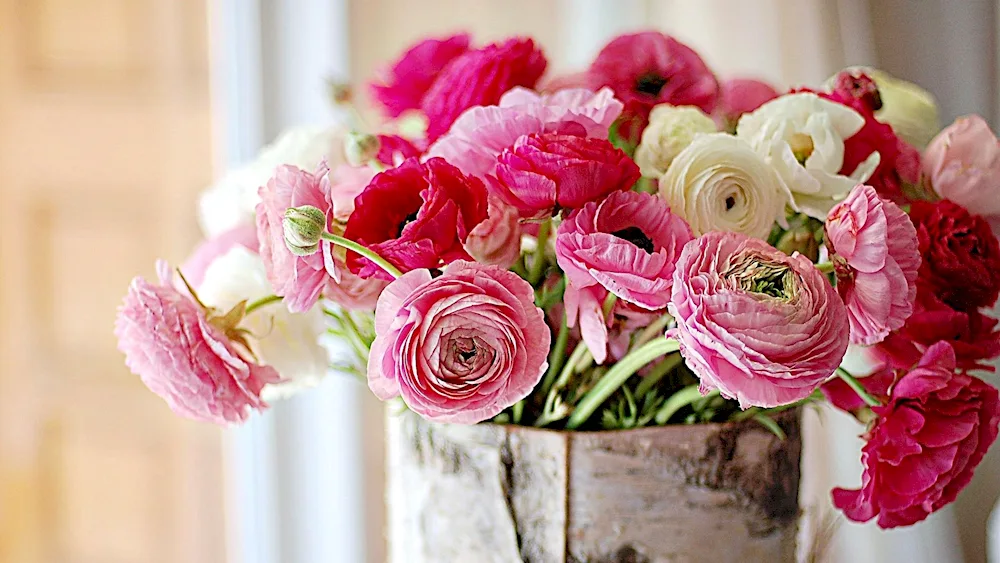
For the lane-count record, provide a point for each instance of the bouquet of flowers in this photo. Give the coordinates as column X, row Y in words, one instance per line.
column 639, row 244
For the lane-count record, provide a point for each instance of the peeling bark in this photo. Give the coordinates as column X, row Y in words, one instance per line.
column 507, row 494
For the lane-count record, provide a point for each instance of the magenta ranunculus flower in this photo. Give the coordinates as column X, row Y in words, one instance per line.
column 299, row 279
column 190, row 357
column 460, row 347
column 925, row 443
column 479, row 78
column 763, row 327
column 743, row 95
column 649, row 68
column 873, row 246
column 544, row 173
column 627, row 244
column 481, row 133
column 416, row 215
column 402, row 86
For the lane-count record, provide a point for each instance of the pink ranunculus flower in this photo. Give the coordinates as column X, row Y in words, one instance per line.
column 481, row 133
column 299, row 279
column 762, row 327
column 925, row 444
column 743, row 95
column 963, row 165
column 188, row 356
column 873, row 246
column 206, row 252
column 460, row 347
column 402, row 86
column 479, row 78
column 626, row 244
column 497, row 240
column 544, row 173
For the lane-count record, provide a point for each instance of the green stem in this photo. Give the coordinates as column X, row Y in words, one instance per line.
column 538, row 264
column 617, row 376
column 609, row 304
column 254, row 305
column 518, row 412
column 653, row 330
column 825, row 267
column 657, row 374
column 858, row 388
column 556, row 357
column 577, row 357
column 679, row 400
column 367, row 253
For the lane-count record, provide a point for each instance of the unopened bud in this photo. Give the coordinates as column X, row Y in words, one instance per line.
column 341, row 93
column 800, row 239
column 303, row 227
column 360, row 148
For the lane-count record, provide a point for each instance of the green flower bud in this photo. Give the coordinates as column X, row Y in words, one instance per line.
column 303, row 227
column 360, row 148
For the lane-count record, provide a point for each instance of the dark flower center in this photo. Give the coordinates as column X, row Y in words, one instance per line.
column 650, row 83
column 635, row 236
column 407, row 220
column 771, row 284
column 730, row 203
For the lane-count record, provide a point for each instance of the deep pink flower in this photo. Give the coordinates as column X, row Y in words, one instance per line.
column 482, row 133
column 479, row 78
column 393, row 149
column 416, row 215
column 963, row 165
column 460, row 347
column 188, row 356
column 544, row 173
column 402, row 86
column 497, row 240
column 763, row 327
column 627, row 244
column 206, row 252
column 299, row 279
column 874, row 248
column 743, row 95
column 925, row 444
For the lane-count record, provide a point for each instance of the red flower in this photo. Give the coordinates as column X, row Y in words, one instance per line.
column 393, row 149
column 402, row 86
column 417, row 215
column 479, row 78
column 899, row 162
column 545, row 172
column 650, row 68
column 925, row 444
column 961, row 255
column 971, row 334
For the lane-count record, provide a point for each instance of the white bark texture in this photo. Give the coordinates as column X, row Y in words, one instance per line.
column 509, row 494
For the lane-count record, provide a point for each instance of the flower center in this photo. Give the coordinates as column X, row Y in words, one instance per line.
column 765, row 278
column 730, row 203
column 635, row 236
column 802, row 147
column 650, row 83
column 406, row 221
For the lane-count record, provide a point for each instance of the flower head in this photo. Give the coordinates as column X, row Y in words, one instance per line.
column 460, row 347
column 479, row 78
column 416, row 215
column 497, row 240
column 963, row 165
column 763, row 327
column 194, row 359
column 670, row 129
column 743, row 95
column 925, row 443
column 718, row 183
column 544, row 173
column 402, row 86
column 874, row 246
column 481, row 133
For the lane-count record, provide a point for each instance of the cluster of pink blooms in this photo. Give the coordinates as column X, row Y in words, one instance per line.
column 524, row 187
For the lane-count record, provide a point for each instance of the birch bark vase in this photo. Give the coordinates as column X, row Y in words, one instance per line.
column 508, row 494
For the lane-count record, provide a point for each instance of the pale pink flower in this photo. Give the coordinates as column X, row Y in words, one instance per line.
column 483, row 132
column 346, row 182
column 760, row 326
column 206, row 252
column 460, row 347
column 628, row 245
column 188, row 356
column 497, row 240
column 963, row 164
column 874, row 247
column 299, row 279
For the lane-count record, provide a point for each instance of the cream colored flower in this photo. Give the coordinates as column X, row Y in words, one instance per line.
column 719, row 183
column 670, row 129
column 231, row 201
column 802, row 137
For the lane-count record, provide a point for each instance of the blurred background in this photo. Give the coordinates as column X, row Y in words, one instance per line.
column 115, row 114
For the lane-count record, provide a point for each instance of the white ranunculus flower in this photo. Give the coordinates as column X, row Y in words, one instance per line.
column 230, row 202
column 719, row 183
column 289, row 342
column 802, row 136
column 670, row 129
